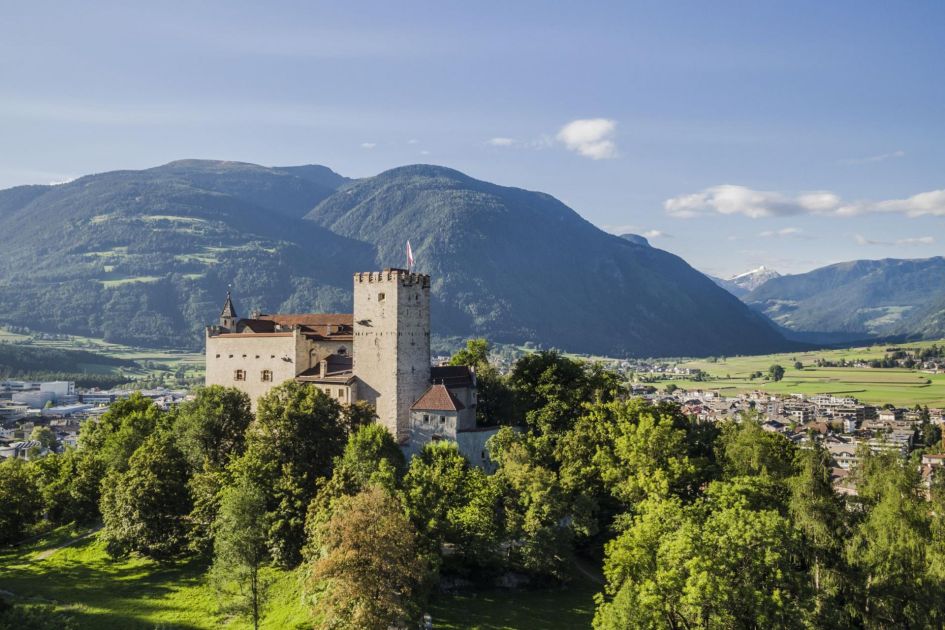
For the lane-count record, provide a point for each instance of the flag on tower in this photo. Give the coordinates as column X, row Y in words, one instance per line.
column 409, row 256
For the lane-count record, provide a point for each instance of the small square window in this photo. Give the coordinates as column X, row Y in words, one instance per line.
column 380, row 297
column 239, row 375
column 266, row 375
column 218, row 356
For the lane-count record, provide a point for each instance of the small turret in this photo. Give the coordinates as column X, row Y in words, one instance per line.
column 228, row 316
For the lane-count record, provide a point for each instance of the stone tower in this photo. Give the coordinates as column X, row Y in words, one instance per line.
column 392, row 343
column 228, row 316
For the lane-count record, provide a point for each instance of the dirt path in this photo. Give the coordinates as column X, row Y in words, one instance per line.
column 45, row 554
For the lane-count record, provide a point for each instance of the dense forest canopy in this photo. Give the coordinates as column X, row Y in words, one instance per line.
column 695, row 525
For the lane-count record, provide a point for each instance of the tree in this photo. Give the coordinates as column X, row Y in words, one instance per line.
column 371, row 457
column 798, row 365
column 746, row 449
column 205, row 488
column 819, row 515
column 889, row 546
column 21, row 500
column 551, row 391
column 356, row 415
column 535, row 507
column 239, row 548
column 298, row 432
column 369, row 572
column 144, row 509
column 85, row 488
column 45, row 436
column 776, row 372
column 475, row 354
column 450, row 502
column 719, row 564
column 121, row 430
column 495, row 401
column 212, row 426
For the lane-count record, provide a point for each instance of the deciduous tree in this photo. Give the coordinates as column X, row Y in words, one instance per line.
column 144, row 508
column 369, row 572
column 239, row 549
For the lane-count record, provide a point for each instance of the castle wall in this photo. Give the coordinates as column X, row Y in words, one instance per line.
column 310, row 352
column 251, row 353
column 392, row 343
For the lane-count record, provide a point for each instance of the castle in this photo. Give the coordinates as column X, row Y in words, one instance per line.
column 379, row 354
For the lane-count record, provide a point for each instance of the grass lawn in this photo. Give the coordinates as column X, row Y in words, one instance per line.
column 100, row 593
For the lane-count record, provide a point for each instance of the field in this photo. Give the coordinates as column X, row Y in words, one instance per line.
column 100, row 593
column 158, row 366
column 872, row 385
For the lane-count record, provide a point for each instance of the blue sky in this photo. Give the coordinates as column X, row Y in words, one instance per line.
column 790, row 134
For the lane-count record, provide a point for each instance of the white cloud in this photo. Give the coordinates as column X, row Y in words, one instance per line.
column 501, row 142
column 413, row 141
column 920, row 240
column 424, row 152
column 729, row 199
column 591, row 137
column 882, row 157
column 902, row 242
column 620, row 230
column 782, row 233
column 368, row 145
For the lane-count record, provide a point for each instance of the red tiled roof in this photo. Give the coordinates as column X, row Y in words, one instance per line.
column 438, row 398
column 335, row 325
column 310, row 319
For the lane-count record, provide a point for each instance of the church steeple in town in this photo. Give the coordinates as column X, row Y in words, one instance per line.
column 228, row 316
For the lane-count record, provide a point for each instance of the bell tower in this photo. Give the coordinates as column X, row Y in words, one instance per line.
column 228, row 316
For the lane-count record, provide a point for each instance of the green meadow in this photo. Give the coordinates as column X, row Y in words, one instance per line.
column 81, row 581
column 871, row 385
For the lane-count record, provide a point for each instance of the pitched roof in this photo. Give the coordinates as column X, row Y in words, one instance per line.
column 452, row 375
column 438, row 398
column 335, row 325
column 228, row 309
column 309, row 319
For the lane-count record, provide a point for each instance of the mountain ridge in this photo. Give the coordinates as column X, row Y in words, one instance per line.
column 877, row 298
column 144, row 256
